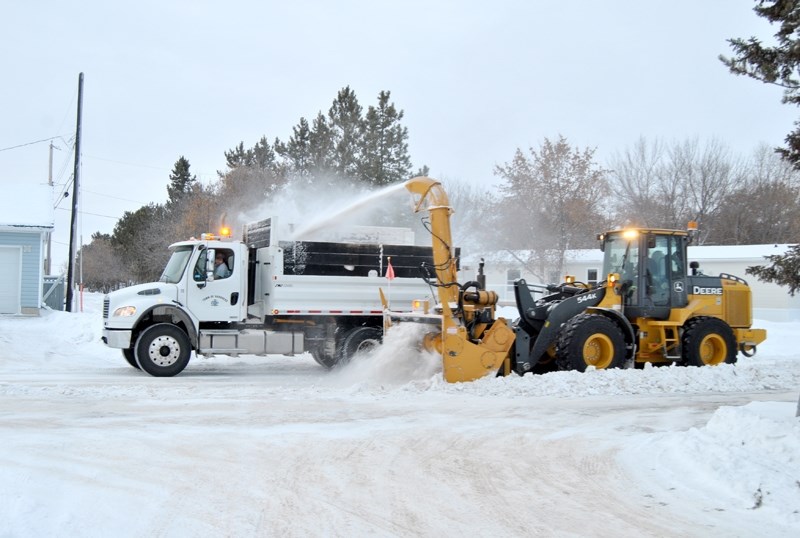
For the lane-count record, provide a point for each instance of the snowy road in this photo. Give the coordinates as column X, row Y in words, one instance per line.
column 279, row 447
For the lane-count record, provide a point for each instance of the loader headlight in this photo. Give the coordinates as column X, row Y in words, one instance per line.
column 125, row 311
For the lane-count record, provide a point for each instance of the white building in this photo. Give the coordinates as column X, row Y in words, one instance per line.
column 770, row 301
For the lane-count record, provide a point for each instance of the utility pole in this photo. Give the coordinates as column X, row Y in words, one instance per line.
column 74, row 220
column 49, row 234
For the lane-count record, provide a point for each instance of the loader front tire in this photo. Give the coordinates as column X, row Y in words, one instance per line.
column 708, row 342
column 590, row 340
column 163, row 350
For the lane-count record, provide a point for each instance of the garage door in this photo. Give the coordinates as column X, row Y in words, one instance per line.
column 10, row 279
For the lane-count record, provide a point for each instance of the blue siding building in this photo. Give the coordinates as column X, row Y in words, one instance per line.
column 26, row 217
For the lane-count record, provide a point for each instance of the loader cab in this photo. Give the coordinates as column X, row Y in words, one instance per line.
column 652, row 268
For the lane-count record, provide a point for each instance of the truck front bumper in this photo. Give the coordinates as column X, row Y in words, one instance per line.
column 117, row 338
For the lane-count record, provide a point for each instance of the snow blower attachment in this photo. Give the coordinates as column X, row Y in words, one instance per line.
column 470, row 340
column 648, row 309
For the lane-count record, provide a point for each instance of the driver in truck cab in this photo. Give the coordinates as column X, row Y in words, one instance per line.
column 221, row 269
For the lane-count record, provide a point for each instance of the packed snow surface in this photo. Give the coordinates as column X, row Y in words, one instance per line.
column 278, row 446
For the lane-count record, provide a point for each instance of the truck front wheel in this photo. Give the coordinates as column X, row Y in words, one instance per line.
column 163, row 350
column 130, row 356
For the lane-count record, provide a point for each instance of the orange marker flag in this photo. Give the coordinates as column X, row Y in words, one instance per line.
column 389, row 270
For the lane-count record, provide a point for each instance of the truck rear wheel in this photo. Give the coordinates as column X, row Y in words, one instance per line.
column 163, row 350
column 322, row 357
column 130, row 356
column 708, row 342
column 358, row 341
column 590, row 340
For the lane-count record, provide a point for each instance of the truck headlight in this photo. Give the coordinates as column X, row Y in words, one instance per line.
column 125, row 311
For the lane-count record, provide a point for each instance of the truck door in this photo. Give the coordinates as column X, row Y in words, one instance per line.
column 216, row 295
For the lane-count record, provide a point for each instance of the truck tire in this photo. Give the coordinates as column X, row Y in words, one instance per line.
column 358, row 341
column 708, row 342
column 163, row 350
column 130, row 356
column 322, row 357
column 590, row 340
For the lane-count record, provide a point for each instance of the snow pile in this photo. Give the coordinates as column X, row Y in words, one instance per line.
column 745, row 458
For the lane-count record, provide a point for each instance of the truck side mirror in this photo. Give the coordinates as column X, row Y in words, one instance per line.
column 210, row 255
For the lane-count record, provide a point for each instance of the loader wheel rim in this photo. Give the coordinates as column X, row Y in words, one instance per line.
column 598, row 351
column 713, row 349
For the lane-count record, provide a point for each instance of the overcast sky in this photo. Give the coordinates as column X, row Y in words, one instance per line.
column 476, row 80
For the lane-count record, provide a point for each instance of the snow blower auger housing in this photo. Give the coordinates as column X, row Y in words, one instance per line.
column 649, row 308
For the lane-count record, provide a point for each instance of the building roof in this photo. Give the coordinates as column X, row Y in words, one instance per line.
column 26, row 205
column 595, row 255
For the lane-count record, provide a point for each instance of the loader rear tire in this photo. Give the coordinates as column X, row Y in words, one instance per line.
column 590, row 340
column 708, row 342
column 359, row 341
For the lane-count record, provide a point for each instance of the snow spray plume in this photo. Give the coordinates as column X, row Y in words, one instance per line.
column 328, row 203
column 363, row 205
column 398, row 361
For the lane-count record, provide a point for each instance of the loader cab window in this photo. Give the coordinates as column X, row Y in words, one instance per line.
column 622, row 257
column 657, row 272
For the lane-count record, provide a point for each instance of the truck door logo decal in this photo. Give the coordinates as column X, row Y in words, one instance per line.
column 215, row 299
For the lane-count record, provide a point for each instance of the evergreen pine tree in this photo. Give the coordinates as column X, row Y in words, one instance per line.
column 783, row 269
column 385, row 155
column 181, row 182
column 778, row 64
column 346, row 133
column 237, row 157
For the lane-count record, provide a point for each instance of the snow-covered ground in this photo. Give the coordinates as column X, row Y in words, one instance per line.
column 277, row 446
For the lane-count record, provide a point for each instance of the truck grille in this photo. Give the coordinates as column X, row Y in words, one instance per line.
column 106, row 301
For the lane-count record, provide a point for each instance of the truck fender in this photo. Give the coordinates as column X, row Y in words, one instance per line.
column 169, row 314
column 627, row 329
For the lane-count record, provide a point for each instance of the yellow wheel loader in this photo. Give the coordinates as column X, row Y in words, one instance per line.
column 652, row 307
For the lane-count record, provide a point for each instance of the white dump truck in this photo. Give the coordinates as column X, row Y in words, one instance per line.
column 273, row 296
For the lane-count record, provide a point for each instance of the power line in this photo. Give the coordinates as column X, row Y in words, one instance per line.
column 114, row 197
column 59, row 137
column 88, row 213
column 126, row 163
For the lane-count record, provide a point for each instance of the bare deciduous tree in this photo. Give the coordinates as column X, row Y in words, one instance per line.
column 552, row 200
column 666, row 186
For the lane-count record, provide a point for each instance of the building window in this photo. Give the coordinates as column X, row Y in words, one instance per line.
column 591, row 277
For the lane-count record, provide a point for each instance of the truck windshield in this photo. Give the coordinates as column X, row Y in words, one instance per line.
column 176, row 264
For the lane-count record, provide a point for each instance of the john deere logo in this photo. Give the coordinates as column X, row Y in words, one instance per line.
column 678, row 287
